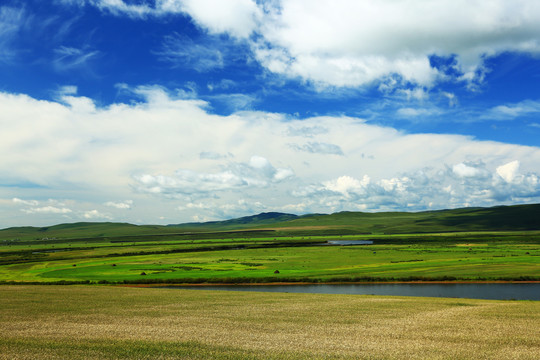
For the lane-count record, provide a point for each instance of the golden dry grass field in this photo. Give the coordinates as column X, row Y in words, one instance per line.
column 104, row 322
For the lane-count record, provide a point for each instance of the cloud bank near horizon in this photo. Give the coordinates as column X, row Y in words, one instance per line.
column 150, row 152
column 165, row 111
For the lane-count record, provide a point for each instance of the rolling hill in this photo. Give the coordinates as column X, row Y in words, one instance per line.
column 500, row 218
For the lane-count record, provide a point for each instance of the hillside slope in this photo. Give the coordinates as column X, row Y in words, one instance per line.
column 500, row 218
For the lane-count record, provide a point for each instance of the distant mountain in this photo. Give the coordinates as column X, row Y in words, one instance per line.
column 265, row 218
column 499, row 218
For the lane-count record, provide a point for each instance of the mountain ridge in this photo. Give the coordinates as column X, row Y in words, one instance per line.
column 498, row 218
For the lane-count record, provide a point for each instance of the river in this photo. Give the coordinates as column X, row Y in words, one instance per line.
column 493, row 291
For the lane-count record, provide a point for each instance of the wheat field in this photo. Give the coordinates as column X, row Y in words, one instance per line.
column 105, row 322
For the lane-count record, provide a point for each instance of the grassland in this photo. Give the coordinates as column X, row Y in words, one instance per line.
column 460, row 256
column 104, row 322
column 282, row 248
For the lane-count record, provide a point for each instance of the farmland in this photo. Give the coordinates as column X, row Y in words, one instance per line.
column 104, row 322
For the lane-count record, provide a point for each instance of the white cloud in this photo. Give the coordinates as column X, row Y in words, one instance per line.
column 94, row 214
column 258, row 173
column 26, row 202
column 416, row 93
column 236, row 17
column 512, row 111
column 120, row 205
column 318, row 148
column 119, row 7
column 150, row 152
column 223, row 84
column 346, row 185
column 67, row 90
column 234, row 102
column 452, row 98
column 68, row 58
column 47, row 210
column 508, row 171
column 181, row 51
column 210, row 155
column 409, row 112
column 465, row 170
column 348, row 43
column 351, row 43
column 11, row 22
column 461, row 186
column 306, row 131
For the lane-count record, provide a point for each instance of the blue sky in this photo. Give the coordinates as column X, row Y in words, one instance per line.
column 166, row 111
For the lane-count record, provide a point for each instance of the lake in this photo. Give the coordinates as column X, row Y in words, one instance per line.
column 349, row 242
column 493, row 291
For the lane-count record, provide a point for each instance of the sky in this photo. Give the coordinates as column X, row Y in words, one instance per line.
column 173, row 111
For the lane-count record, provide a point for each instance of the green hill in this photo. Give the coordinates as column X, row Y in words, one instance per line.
column 500, row 218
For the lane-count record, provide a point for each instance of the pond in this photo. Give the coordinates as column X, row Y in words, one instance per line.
column 349, row 242
column 493, row 291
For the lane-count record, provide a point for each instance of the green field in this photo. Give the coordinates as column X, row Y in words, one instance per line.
column 283, row 248
column 429, row 257
column 105, row 322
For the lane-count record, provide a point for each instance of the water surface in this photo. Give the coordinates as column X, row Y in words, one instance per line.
column 493, row 291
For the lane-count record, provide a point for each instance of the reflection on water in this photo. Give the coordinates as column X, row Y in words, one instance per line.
column 493, row 291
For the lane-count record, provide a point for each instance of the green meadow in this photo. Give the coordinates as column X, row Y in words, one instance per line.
column 478, row 244
column 279, row 251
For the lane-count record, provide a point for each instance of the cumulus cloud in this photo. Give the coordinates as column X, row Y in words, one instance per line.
column 351, row 43
column 258, row 173
column 508, row 171
column 469, row 170
column 236, row 17
column 460, row 185
column 164, row 150
column 347, row 43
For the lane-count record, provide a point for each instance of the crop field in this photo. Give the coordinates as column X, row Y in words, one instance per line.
column 106, row 322
column 476, row 256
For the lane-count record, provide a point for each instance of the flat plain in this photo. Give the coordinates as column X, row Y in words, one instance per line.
column 111, row 322
column 101, row 315
column 479, row 256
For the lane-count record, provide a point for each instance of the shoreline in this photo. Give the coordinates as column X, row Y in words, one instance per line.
column 328, row 283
